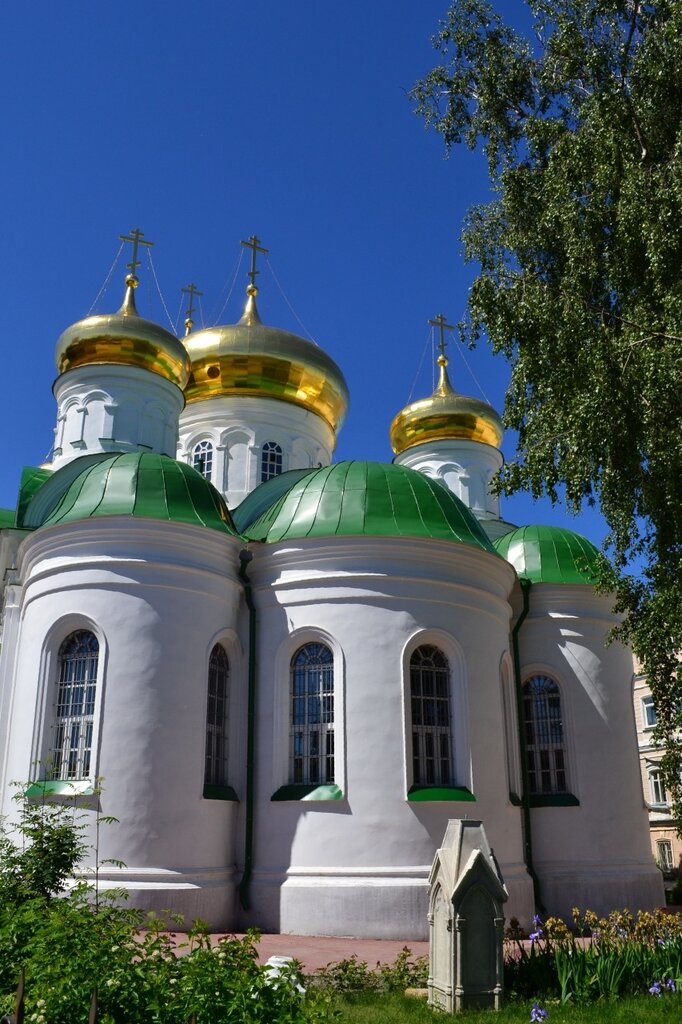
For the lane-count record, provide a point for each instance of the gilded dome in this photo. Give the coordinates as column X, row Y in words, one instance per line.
column 368, row 499
column 444, row 416
column 123, row 339
column 250, row 358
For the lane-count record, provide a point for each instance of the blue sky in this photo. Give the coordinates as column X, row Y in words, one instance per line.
column 202, row 124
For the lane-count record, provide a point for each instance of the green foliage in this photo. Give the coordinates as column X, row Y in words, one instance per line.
column 71, row 941
column 354, row 975
column 579, row 282
column 601, row 959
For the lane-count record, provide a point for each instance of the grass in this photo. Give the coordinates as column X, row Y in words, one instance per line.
column 393, row 1008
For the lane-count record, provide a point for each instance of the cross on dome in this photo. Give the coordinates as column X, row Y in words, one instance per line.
column 137, row 238
column 254, row 245
column 190, row 290
column 440, row 322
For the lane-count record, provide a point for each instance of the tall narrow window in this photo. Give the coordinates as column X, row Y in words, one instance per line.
column 648, row 712
column 430, row 706
column 664, row 854
column 312, row 715
column 71, row 748
column 215, row 772
column 202, row 458
column 659, row 795
column 544, row 736
column 271, row 461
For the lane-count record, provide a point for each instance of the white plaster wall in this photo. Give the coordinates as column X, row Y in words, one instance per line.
column 465, row 467
column 158, row 596
column 360, row 865
column 114, row 408
column 239, row 426
column 596, row 855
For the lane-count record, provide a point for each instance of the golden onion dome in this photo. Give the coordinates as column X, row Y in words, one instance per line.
column 445, row 416
column 251, row 358
column 123, row 339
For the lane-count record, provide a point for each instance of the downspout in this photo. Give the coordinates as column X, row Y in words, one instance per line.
column 525, row 777
column 244, row 558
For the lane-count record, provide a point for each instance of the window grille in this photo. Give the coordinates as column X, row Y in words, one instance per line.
column 312, row 715
column 430, row 706
column 271, row 461
column 202, row 458
column 215, row 772
column 664, row 854
column 649, row 716
column 71, row 749
column 544, row 733
column 658, row 791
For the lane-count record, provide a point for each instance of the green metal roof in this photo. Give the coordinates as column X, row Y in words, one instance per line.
column 7, row 517
column 368, row 499
column 264, row 496
column 549, row 554
column 137, row 484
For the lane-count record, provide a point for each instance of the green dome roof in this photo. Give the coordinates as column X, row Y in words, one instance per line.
column 549, row 554
column 368, row 499
column 132, row 484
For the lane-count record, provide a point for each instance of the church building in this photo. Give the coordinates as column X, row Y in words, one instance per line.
column 284, row 675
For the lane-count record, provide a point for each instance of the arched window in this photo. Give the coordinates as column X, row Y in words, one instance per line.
column 544, row 736
column 71, row 747
column 430, row 708
column 270, row 461
column 311, row 756
column 202, row 458
column 215, row 772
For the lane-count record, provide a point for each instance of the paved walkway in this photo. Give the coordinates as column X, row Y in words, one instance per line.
column 316, row 951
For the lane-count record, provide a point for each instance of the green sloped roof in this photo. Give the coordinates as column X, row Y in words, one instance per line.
column 7, row 517
column 136, row 484
column 265, row 495
column 549, row 554
column 368, row 499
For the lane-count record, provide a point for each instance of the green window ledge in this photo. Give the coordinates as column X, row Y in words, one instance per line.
column 61, row 787
column 553, row 800
column 214, row 792
column 302, row 792
column 419, row 794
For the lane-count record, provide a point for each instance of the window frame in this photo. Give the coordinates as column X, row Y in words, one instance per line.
column 270, row 448
column 657, row 790
column 282, row 788
column 217, row 765
column 664, row 861
column 461, row 786
column 647, row 707
column 210, row 449
column 558, row 792
column 46, row 705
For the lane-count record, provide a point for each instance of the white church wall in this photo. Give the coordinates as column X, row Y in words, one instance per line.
column 360, row 865
column 596, row 854
column 238, row 426
column 465, row 467
column 114, row 408
column 157, row 596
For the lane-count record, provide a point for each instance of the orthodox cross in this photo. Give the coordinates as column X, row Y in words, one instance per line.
column 254, row 245
column 137, row 238
column 191, row 290
column 440, row 322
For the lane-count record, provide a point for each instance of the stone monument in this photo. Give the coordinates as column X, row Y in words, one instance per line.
column 466, row 923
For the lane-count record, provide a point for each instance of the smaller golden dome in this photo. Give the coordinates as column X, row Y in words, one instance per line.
column 123, row 339
column 445, row 416
column 251, row 358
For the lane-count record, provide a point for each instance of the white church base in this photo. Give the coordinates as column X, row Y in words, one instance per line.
column 622, row 886
column 209, row 896
column 373, row 903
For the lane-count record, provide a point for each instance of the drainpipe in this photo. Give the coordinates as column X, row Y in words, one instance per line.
column 525, row 786
column 244, row 558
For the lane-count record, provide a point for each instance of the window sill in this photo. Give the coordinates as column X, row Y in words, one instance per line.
column 311, row 792
column 215, row 792
column 553, row 800
column 47, row 788
column 421, row 794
